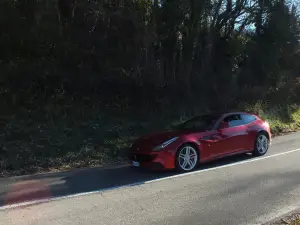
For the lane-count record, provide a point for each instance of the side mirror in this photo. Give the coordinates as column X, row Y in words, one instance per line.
column 224, row 125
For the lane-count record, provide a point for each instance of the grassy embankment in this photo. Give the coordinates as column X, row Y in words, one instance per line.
column 86, row 135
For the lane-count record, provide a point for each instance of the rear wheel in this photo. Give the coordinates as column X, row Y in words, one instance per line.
column 187, row 158
column 261, row 145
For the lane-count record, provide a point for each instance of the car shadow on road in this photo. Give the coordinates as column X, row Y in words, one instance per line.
column 97, row 179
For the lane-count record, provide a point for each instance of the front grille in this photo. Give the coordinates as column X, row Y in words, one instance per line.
column 142, row 157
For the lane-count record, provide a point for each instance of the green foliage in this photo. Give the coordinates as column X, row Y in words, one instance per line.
column 67, row 65
column 282, row 118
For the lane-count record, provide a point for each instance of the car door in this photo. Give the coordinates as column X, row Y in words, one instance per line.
column 210, row 144
column 213, row 142
column 233, row 136
column 208, row 137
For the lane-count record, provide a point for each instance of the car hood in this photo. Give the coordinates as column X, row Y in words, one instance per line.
column 155, row 139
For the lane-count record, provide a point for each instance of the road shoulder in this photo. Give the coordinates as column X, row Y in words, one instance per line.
column 292, row 218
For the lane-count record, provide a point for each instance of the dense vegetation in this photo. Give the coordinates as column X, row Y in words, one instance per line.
column 79, row 79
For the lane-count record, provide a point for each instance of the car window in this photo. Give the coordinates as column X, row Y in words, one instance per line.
column 204, row 122
column 248, row 118
column 234, row 120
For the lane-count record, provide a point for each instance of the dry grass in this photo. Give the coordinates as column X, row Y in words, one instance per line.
column 291, row 219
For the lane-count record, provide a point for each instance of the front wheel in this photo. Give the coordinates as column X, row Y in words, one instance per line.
column 261, row 145
column 186, row 158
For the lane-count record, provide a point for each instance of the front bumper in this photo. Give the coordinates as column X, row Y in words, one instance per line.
column 154, row 160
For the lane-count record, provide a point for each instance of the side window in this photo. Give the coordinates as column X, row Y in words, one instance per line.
column 234, row 120
column 248, row 118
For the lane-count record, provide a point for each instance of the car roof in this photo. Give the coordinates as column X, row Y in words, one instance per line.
column 228, row 113
column 222, row 113
column 232, row 113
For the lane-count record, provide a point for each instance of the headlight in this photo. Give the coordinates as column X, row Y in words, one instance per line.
column 163, row 145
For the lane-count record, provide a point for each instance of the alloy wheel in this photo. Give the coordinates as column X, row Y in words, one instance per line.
column 262, row 144
column 187, row 158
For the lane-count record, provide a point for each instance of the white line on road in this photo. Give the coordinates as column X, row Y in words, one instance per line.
column 224, row 166
column 29, row 203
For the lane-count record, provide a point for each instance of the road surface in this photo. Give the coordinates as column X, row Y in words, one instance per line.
column 238, row 190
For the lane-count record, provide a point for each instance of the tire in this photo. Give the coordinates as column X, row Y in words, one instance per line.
column 183, row 162
column 261, row 144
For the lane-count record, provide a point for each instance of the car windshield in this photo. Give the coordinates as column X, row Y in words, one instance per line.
column 204, row 122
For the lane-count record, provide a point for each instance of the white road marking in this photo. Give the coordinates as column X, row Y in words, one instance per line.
column 224, row 166
column 29, row 203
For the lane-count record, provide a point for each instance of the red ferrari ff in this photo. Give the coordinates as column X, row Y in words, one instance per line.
column 202, row 139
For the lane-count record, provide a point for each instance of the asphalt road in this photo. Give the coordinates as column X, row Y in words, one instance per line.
column 238, row 190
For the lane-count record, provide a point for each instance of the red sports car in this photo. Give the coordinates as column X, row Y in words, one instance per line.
column 202, row 139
